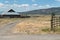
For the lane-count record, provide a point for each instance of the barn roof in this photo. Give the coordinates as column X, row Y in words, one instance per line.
column 11, row 10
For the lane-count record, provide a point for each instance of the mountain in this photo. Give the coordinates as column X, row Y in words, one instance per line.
column 48, row 11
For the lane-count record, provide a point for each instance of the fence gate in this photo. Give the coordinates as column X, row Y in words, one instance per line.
column 55, row 22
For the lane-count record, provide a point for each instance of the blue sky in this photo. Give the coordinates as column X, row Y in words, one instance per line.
column 27, row 5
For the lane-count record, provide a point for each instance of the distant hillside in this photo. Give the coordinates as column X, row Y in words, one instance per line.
column 48, row 11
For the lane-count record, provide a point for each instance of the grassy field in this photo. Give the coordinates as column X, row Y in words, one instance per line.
column 4, row 21
column 34, row 25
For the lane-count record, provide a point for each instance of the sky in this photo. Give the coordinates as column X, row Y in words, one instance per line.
column 27, row 5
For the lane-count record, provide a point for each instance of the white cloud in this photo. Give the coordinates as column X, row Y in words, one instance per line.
column 57, row 0
column 15, row 5
column 1, row 4
column 33, row 0
column 21, row 5
column 35, row 5
column 45, row 6
column 24, row 7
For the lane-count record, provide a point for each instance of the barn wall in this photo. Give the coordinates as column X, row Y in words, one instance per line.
column 13, row 16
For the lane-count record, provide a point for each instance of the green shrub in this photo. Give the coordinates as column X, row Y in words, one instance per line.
column 46, row 30
column 57, row 29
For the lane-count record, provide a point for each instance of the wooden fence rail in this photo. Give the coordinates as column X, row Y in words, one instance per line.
column 55, row 22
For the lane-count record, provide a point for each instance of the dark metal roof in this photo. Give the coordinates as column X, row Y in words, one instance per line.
column 11, row 10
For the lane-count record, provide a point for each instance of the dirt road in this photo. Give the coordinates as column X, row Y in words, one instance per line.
column 6, row 28
column 30, row 37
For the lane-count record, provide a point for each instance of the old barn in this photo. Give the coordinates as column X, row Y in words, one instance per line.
column 12, row 14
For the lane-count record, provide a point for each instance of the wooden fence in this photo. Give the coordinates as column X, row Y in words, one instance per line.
column 55, row 22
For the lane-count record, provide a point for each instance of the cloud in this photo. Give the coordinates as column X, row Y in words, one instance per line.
column 35, row 5
column 20, row 5
column 48, row 6
column 24, row 7
column 57, row 0
column 1, row 4
column 45, row 6
column 33, row 0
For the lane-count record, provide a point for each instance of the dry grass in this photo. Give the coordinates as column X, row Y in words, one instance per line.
column 4, row 21
column 33, row 25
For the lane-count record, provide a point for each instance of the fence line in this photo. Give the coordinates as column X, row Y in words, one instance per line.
column 55, row 22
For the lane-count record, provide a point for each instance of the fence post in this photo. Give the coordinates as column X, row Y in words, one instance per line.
column 52, row 22
column 59, row 21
